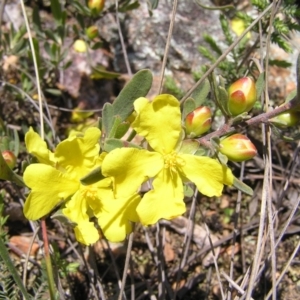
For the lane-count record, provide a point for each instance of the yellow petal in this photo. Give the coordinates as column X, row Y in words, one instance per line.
column 77, row 153
column 159, row 122
column 129, row 168
column 117, row 215
column 77, row 211
column 86, row 233
column 165, row 201
column 207, row 173
column 48, row 188
column 37, row 147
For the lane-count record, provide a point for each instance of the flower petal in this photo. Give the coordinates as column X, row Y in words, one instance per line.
column 86, row 233
column 117, row 215
column 48, row 188
column 129, row 168
column 165, row 201
column 37, row 147
column 77, row 153
column 208, row 174
column 77, row 211
column 159, row 122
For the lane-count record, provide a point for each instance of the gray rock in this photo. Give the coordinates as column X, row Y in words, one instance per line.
column 147, row 35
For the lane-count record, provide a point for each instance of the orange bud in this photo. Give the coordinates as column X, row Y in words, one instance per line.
column 96, row 5
column 9, row 158
column 241, row 96
column 92, row 32
column 286, row 119
column 198, row 121
column 237, row 147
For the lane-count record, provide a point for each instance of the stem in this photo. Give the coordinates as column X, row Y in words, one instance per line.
column 126, row 266
column 48, row 261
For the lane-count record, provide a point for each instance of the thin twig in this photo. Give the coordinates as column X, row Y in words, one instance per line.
column 36, row 70
column 269, row 145
column 2, row 6
column 215, row 262
column 163, row 67
column 233, row 283
column 187, row 240
column 28, row 254
column 236, row 221
column 126, row 266
column 122, row 41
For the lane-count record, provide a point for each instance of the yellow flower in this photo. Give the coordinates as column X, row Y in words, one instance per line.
column 56, row 179
column 160, row 123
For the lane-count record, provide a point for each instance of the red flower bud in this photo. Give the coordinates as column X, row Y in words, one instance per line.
column 237, row 147
column 241, row 96
column 9, row 158
column 92, row 32
column 286, row 119
column 96, row 5
column 198, row 121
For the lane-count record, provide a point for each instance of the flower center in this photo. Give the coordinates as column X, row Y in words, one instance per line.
column 89, row 192
column 172, row 161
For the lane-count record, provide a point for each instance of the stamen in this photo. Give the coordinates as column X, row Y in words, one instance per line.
column 172, row 161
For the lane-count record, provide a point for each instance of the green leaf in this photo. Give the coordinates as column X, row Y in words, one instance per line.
column 92, row 177
column 291, row 96
column 128, row 7
column 111, row 144
column 138, row 86
column 260, row 84
column 202, row 151
column 223, row 99
column 56, row 11
column 36, row 20
column 7, row 174
column 107, row 118
column 152, row 4
column 280, row 63
column 188, row 191
column 189, row 146
column 242, row 187
column 19, row 46
column 222, row 158
column 201, row 92
column 122, row 129
column 116, row 122
column 212, row 43
column 99, row 45
column 83, row 10
column 188, row 106
column 101, row 73
column 54, row 92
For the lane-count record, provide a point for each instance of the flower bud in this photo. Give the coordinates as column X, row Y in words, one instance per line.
column 91, row 32
column 96, row 5
column 237, row 147
column 9, row 158
column 198, row 121
column 80, row 46
column 286, row 119
column 241, row 96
